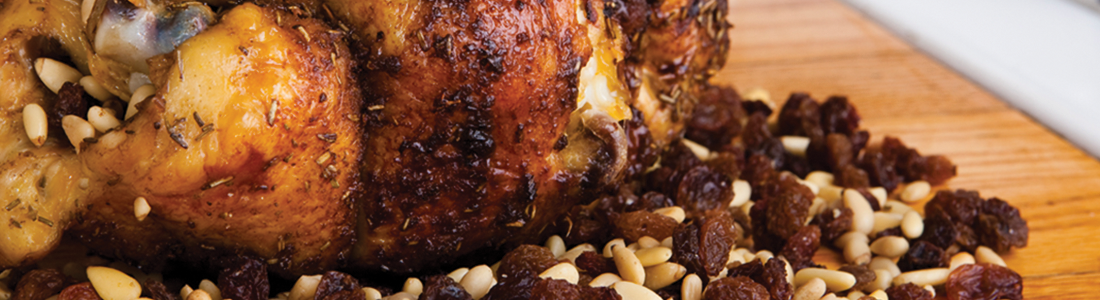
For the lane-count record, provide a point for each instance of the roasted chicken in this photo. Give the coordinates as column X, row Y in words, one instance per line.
column 374, row 135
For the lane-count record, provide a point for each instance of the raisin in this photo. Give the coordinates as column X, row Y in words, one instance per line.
column 752, row 107
column 758, row 139
column 442, row 287
column 80, row 291
column 922, row 255
column 157, row 291
column 716, row 118
column 838, row 153
column 863, row 274
column 908, row 291
column 703, row 246
column 880, row 172
column 984, row 281
column 244, row 279
column 1000, row 227
column 787, row 213
column 555, row 289
column 333, row 285
column 641, row 151
column 850, row 176
column 938, row 229
column 833, row 223
column 513, row 287
column 800, row 116
column 736, row 288
column 40, row 284
column 752, row 269
column 960, row 206
column 727, row 162
column 594, row 264
column 634, row 225
column 936, row 169
column 893, row 231
column 650, row 201
column 71, row 100
column 801, row 246
column 774, row 278
column 701, row 189
column 526, row 260
column 839, row 116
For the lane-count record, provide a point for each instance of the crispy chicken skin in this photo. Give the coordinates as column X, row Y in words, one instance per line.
column 38, row 185
column 375, row 135
column 467, row 104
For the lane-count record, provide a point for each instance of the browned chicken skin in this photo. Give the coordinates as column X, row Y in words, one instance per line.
column 479, row 123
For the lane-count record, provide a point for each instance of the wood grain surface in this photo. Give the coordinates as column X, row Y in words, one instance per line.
column 824, row 48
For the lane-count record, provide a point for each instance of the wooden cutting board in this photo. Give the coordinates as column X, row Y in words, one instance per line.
column 824, row 48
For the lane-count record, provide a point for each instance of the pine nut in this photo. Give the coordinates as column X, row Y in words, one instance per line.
column 479, row 280
column 812, row 290
column 663, row 274
column 633, row 247
column 863, row 219
column 831, row 194
column 880, row 295
column 457, row 274
column 749, row 256
column 700, row 151
column 986, row 255
column 607, row 248
column 305, row 288
column 55, row 74
column 95, row 90
column 34, row 123
column 142, row 93
column 916, row 191
column 210, row 288
column 881, row 282
column 101, row 119
column 111, row 284
column 831, row 296
column 667, row 242
column 634, row 291
column 77, row 129
column 814, row 188
column 629, row 267
column 653, row 256
column 572, row 254
column 764, row 255
column 855, row 295
column 816, row 207
column 556, row 245
column 834, row 280
column 141, row 208
column 735, row 256
column 563, row 271
column 795, row 144
column 886, row 264
column 758, row 94
column 747, row 207
column 605, row 280
column 691, row 288
column 820, row 178
column 884, row 221
column 648, row 242
column 896, row 207
column 674, row 212
column 372, row 293
column 742, row 192
column 402, row 296
column 935, row 276
column 880, row 195
column 185, row 291
column 196, row 295
column 912, row 226
column 856, row 250
column 413, row 286
column 959, row 259
column 930, row 289
column 890, row 246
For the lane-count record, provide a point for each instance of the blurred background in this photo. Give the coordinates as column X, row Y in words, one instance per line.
column 1041, row 56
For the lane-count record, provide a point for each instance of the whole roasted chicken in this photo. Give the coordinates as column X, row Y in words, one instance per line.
column 374, row 135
